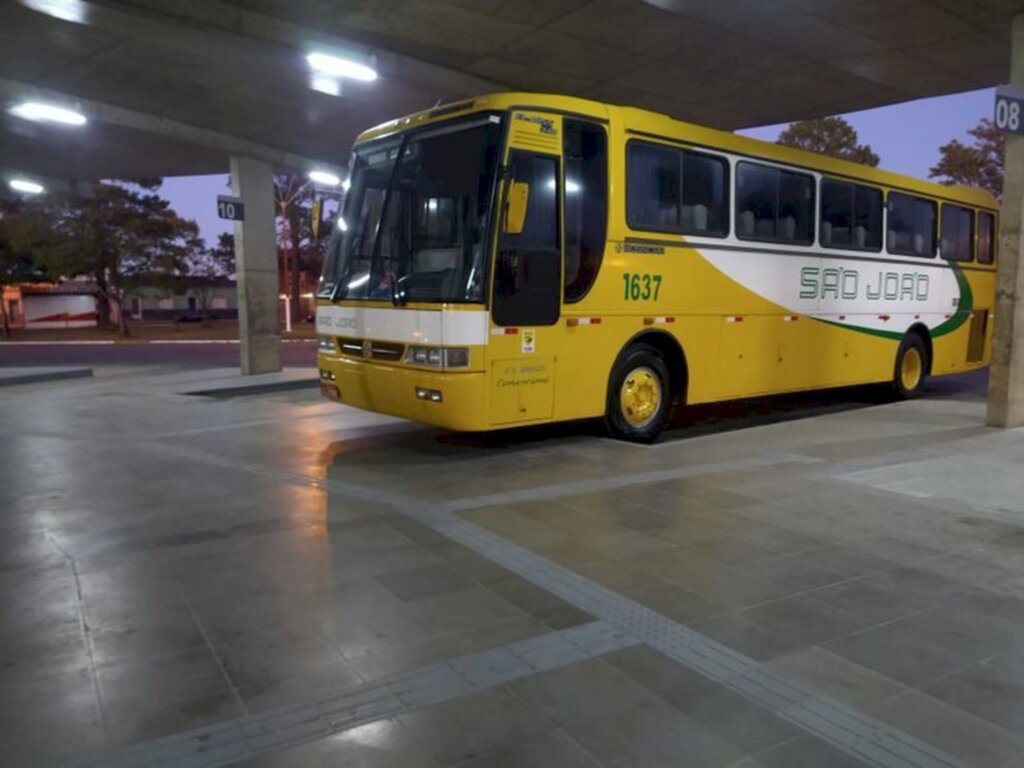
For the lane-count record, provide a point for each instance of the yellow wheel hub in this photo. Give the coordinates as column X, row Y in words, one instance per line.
column 910, row 369
column 640, row 397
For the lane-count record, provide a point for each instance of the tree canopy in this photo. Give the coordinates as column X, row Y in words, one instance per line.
column 16, row 264
column 831, row 136
column 215, row 262
column 977, row 165
column 120, row 234
column 210, row 264
column 300, row 250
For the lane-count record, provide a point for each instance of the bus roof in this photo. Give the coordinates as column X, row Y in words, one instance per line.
column 656, row 125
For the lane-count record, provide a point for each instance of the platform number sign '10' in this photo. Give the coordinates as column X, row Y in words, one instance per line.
column 1010, row 109
column 230, row 208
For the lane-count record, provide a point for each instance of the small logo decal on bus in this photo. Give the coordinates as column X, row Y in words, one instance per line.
column 655, row 250
column 546, row 124
column 529, row 338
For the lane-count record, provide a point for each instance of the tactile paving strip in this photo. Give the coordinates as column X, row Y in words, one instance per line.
column 234, row 740
column 864, row 737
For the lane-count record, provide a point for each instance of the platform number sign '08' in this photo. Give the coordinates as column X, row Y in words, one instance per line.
column 640, row 287
column 1009, row 116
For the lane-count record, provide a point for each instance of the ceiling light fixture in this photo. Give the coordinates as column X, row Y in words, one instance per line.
column 26, row 186
column 335, row 66
column 326, row 178
column 325, row 84
column 40, row 112
column 67, row 10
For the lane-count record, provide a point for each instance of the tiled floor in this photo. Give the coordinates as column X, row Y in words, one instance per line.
column 171, row 563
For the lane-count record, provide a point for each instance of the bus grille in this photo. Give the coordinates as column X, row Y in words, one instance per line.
column 374, row 350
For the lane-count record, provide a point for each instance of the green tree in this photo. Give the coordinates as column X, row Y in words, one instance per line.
column 831, row 136
column 978, row 165
column 15, row 263
column 299, row 251
column 210, row 265
column 119, row 234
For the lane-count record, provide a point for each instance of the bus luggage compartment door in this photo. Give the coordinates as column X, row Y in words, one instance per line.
column 522, row 389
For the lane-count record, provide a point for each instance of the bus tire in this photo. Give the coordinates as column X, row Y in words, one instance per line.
column 639, row 395
column 911, row 367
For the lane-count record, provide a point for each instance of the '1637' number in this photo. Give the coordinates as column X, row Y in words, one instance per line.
column 637, row 287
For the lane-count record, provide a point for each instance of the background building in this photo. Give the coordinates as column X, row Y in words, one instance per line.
column 41, row 306
column 188, row 299
column 74, row 303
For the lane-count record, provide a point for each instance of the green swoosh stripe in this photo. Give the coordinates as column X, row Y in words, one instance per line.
column 964, row 307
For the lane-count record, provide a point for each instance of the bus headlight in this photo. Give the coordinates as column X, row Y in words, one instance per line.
column 456, row 357
column 424, row 356
column 325, row 343
column 451, row 357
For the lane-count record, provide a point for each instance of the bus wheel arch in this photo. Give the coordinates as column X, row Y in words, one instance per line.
column 675, row 360
column 646, row 381
column 921, row 330
column 912, row 364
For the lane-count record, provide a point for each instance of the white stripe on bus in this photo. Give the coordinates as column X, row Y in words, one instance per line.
column 409, row 326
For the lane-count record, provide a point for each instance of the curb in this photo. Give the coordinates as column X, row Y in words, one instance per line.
column 255, row 389
column 36, row 378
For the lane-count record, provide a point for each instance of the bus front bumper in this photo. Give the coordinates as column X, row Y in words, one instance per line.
column 441, row 398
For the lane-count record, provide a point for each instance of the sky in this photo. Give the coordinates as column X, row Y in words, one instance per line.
column 905, row 136
column 195, row 197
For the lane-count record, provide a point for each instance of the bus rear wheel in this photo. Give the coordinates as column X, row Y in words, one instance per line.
column 638, row 395
column 911, row 367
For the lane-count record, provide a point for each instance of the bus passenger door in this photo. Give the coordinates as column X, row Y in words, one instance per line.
column 526, row 303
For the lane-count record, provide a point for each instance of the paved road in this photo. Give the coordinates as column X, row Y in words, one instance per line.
column 178, row 355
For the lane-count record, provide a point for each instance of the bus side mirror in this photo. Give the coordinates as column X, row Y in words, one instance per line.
column 516, row 199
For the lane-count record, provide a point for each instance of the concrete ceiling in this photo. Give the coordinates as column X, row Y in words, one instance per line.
column 174, row 87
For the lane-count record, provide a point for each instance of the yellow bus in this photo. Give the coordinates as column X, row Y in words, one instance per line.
column 521, row 258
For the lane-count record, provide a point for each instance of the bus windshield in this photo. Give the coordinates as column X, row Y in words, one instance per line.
column 413, row 224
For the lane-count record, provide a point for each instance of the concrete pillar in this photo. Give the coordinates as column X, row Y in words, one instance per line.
column 259, row 331
column 1006, row 377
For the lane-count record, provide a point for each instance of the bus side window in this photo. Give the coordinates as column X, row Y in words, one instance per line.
column 586, row 205
column 986, row 238
column 836, row 227
column 653, row 187
column 773, row 204
column 911, row 226
column 851, row 216
column 867, row 206
column 705, row 208
column 957, row 239
column 676, row 190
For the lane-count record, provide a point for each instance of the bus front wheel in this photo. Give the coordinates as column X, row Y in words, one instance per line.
column 638, row 395
column 911, row 367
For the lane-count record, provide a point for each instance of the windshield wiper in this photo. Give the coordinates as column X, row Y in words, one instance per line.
column 398, row 297
column 382, row 220
column 393, row 276
column 345, row 272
